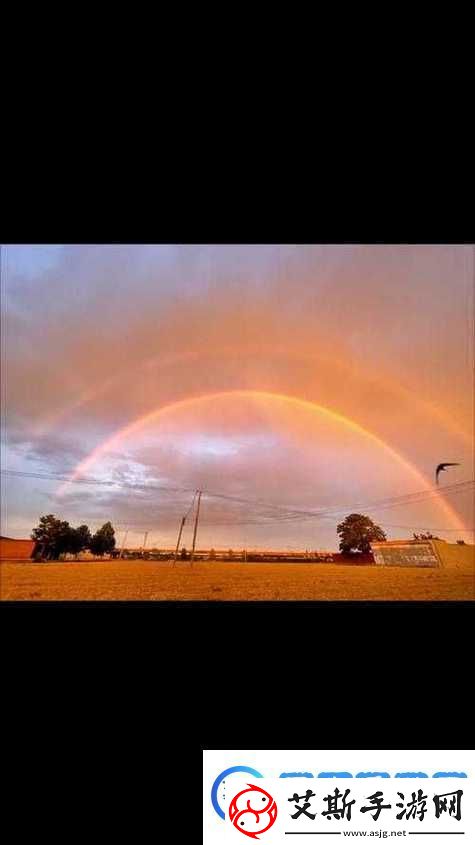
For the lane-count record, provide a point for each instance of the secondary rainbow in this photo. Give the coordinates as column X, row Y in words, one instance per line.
column 126, row 431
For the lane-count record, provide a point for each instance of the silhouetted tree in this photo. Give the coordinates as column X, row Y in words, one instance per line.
column 357, row 532
column 103, row 541
column 53, row 536
column 212, row 554
column 79, row 539
column 184, row 554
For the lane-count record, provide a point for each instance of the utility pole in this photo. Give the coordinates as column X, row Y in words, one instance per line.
column 179, row 538
column 196, row 527
column 123, row 543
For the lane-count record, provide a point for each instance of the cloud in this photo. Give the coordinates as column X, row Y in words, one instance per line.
column 97, row 336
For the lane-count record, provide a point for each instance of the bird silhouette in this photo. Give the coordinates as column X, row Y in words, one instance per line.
column 442, row 468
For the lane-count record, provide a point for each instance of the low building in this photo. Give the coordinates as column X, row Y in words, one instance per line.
column 423, row 553
column 11, row 549
column 455, row 555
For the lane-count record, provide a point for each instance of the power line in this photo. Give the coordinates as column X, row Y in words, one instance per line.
column 242, row 500
column 86, row 480
column 288, row 513
column 151, row 524
column 427, row 528
column 324, row 513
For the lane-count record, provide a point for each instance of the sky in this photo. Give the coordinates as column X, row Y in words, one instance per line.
column 291, row 384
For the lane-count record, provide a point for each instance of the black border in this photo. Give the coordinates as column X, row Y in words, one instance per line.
column 248, row 605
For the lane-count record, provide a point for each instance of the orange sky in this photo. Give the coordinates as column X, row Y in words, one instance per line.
column 379, row 339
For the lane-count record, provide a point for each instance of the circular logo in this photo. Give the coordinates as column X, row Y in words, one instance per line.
column 231, row 771
column 253, row 811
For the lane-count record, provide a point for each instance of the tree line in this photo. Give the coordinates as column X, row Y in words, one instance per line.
column 55, row 537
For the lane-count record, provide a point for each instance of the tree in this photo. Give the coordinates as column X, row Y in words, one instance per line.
column 97, row 544
column 103, row 541
column 212, row 554
column 85, row 535
column 357, row 532
column 53, row 536
column 426, row 536
column 184, row 554
column 79, row 539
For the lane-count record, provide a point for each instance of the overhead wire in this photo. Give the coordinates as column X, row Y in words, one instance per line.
column 285, row 513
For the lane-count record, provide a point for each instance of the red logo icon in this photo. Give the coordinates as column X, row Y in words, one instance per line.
column 253, row 811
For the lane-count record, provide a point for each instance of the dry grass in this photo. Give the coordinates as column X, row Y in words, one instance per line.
column 141, row 580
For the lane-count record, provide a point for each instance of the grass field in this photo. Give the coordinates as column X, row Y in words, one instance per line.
column 141, row 580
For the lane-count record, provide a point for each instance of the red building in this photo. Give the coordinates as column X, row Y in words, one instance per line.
column 16, row 549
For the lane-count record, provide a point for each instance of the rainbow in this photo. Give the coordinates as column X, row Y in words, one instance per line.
column 161, row 362
column 136, row 425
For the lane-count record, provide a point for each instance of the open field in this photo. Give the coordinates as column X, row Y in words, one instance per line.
column 141, row 580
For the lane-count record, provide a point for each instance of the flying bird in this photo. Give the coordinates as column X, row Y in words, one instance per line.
column 442, row 468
